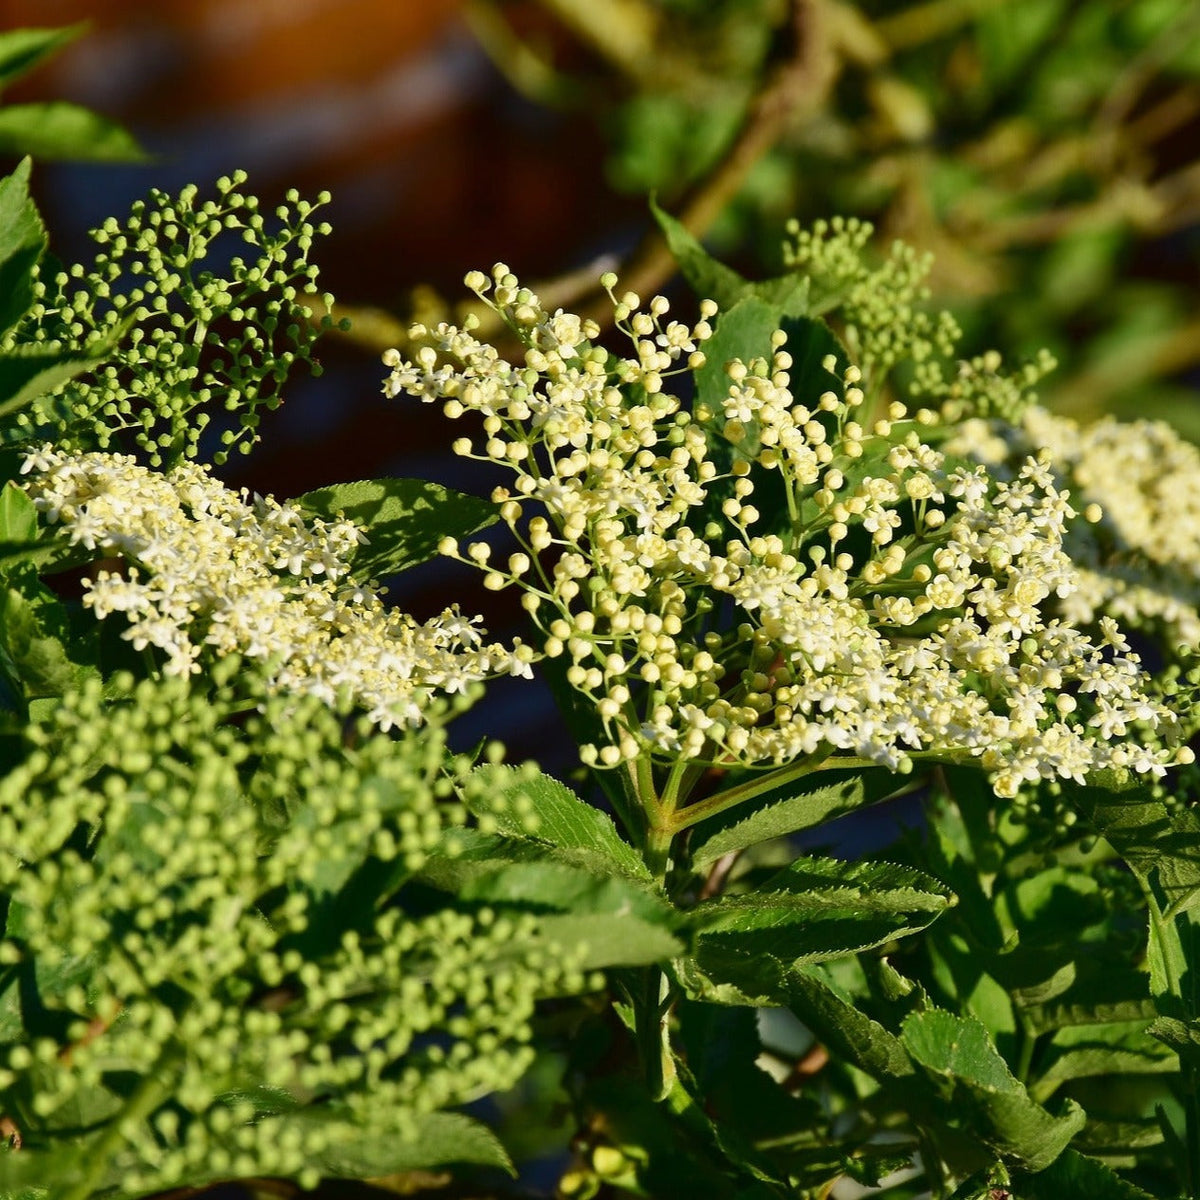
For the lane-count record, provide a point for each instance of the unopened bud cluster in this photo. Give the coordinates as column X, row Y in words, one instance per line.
column 183, row 346
column 210, row 911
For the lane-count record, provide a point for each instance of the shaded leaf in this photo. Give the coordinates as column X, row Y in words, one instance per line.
column 1128, row 1048
column 1075, row 1176
column 1161, row 846
column 27, row 373
column 618, row 939
column 33, row 642
column 1181, row 1036
column 810, row 341
column 620, row 920
column 420, row 1142
column 404, row 519
column 18, row 516
column 22, row 242
column 834, row 1019
column 23, row 49
column 57, row 129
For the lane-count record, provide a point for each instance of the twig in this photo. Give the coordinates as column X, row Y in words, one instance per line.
column 10, row 1133
column 798, row 86
column 623, row 32
column 526, row 70
column 1090, row 391
column 925, row 22
column 717, row 876
column 1137, row 74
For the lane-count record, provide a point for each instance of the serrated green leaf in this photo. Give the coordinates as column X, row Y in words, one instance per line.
column 818, row 909
column 959, row 1051
column 618, row 939
column 1082, row 1005
column 1119, row 1137
column 404, row 519
column 806, row 803
column 1160, row 845
column 1078, row 1052
column 621, row 920
column 840, row 1026
column 33, row 635
column 833, row 1017
column 545, row 810
column 1075, row 1176
column 708, row 278
column 26, row 374
column 22, row 242
column 23, row 49
column 985, row 1184
column 57, row 129
column 1181, row 1036
column 419, row 1142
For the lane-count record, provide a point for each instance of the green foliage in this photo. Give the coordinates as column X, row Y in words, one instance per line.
column 258, row 920
column 54, row 129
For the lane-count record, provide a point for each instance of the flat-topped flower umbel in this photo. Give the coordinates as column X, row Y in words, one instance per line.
column 211, row 570
column 768, row 582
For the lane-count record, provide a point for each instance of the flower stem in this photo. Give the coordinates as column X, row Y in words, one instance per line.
column 155, row 1088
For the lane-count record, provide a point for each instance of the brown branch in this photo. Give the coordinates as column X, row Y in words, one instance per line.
column 925, row 22
column 715, row 882
column 10, row 1133
column 1090, row 390
column 797, row 87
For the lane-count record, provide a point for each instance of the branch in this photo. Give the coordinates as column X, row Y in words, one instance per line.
column 797, row 87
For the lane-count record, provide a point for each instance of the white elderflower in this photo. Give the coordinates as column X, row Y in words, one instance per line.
column 1136, row 556
column 208, row 569
column 880, row 607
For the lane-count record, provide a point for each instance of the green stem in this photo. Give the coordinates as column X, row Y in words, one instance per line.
column 1192, row 1121
column 653, row 1023
column 657, row 851
column 154, row 1089
column 713, row 805
column 1025, row 1052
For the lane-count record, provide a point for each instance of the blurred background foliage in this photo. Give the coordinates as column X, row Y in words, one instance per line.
column 1046, row 151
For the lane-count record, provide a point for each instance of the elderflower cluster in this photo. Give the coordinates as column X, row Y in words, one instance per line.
column 764, row 579
column 208, row 568
column 225, row 943
column 1138, row 559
